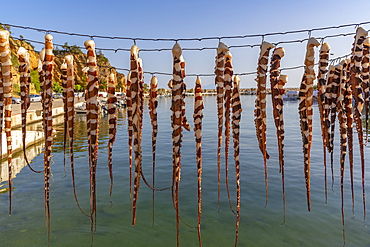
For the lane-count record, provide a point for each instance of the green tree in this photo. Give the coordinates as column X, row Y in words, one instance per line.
column 191, row 90
column 57, row 87
column 146, row 88
column 121, row 84
column 35, row 79
column 103, row 85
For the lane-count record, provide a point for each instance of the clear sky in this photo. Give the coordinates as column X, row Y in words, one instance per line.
column 190, row 19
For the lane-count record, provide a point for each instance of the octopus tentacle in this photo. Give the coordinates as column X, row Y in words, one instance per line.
column 198, row 116
column 136, row 115
column 69, row 115
column 305, row 111
column 129, row 127
column 112, row 119
column 260, row 111
column 349, row 116
column 343, row 129
column 228, row 91
column 24, row 71
column 277, row 91
column 365, row 82
column 63, row 69
column 355, row 73
column 333, row 115
column 276, row 97
column 321, row 77
column 1, row 111
column 283, row 79
column 6, row 66
column 48, row 87
column 177, row 123
column 219, row 81
column 236, row 117
column 153, row 103
column 93, row 123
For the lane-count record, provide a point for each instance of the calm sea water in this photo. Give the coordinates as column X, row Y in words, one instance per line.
column 258, row 226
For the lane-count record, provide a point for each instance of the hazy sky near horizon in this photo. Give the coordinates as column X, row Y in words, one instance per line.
column 190, row 19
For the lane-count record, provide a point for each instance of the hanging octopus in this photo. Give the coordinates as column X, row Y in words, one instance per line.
column 219, row 81
column 129, row 126
column 198, row 116
column 1, row 111
column 321, row 78
column 41, row 71
column 92, row 112
column 277, row 99
column 153, row 103
column 136, row 120
column 112, row 119
column 343, row 128
column 355, row 77
column 236, row 117
column 6, row 67
column 177, row 123
column 333, row 114
column 63, row 69
column 260, row 111
column 48, row 89
column 228, row 73
column 349, row 118
column 305, row 111
column 277, row 90
column 25, row 79
column 365, row 82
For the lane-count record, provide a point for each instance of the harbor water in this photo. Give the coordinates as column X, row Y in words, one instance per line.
column 259, row 226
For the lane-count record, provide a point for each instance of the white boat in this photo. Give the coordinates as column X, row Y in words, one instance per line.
column 291, row 95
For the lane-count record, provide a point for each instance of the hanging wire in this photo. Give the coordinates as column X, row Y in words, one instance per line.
column 190, row 39
column 197, row 49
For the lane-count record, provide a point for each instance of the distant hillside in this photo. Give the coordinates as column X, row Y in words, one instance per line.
column 104, row 68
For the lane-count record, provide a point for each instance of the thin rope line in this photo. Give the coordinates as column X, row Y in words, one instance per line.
column 187, row 39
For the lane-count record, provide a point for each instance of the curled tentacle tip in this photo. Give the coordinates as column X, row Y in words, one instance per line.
column 48, row 37
column 313, row 42
column 222, row 48
column 89, row 44
column 325, row 47
column 279, row 51
column 69, row 59
column 176, row 50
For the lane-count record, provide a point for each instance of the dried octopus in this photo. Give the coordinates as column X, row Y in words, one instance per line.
column 219, row 81
column 198, row 116
column 48, row 67
column 153, row 103
column 112, row 119
column 334, row 84
column 321, row 78
column 25, row 79
column 305, row 111
column 129, row 126
column 6, row 67
column 277, row 90
column 355, row 77
column 92, row 116
column 228, row 73
column 63, row 69
column 260, row 111
column 365, row 82
column 349, row 117
column 178, row 121
column 342, row 117
column 136, row 120
column 236, row 117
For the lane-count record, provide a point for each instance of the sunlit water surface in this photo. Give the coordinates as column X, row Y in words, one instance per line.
column 258, row 226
